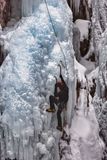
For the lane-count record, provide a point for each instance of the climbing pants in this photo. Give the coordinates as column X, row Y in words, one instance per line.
column 60, row 105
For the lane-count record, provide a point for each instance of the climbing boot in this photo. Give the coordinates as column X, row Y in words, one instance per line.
column 59, row 128
column 50, row 110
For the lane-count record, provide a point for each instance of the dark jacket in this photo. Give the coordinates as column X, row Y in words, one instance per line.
column 63, row 93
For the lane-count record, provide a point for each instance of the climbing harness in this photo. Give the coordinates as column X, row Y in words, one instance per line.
column 53, row 27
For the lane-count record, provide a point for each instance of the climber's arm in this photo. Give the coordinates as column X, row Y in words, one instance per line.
column 55, row 90
column 62, row 79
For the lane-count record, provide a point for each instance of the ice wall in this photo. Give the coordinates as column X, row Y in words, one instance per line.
column 100, row 99
column 99, row 20
column 27, row 80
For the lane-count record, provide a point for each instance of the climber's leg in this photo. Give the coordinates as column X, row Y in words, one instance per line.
column 59, row 127
column 52, row 102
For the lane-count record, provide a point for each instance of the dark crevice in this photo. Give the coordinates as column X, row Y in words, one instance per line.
column 68, row 1
column 85, row 13
column 3, row 54
column 85, row 44
column 84, row 47
column 91, row 57
column 93, row 88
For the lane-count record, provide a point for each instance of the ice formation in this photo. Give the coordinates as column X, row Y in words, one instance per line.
column 27, row 131
column 83, row 26
column 27, row 80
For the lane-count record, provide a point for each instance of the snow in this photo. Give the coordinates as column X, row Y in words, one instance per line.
column 50, row 142
column 84, row 134
column 83, row 26
column 93, row 75
column 80, row 69
column 81, row 126
column 42, row 148
column 85, row 143
column 88, row 64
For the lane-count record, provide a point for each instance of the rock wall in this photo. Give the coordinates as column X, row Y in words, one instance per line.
column 10, row 13
column 81, row 9
column 9, row 9
column 5, row 11
column 16, row 8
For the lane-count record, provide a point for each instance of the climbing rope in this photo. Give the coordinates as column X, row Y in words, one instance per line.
column 53, row 27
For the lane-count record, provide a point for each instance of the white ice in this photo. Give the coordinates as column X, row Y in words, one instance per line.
column 83, row 26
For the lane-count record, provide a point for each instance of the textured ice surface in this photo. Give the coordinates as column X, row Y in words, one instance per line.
column 83, row 26
column 27, row 80
column 85, row 141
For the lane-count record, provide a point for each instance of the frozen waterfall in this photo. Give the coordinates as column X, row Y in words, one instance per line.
column 35, row 48
column 27, row 80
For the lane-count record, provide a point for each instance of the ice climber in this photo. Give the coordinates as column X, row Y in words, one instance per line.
column 60, row 98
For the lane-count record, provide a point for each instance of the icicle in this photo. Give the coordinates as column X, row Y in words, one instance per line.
column 76, row 4
column 29, row 6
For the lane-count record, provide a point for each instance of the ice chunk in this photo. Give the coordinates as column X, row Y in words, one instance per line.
column 83, row 26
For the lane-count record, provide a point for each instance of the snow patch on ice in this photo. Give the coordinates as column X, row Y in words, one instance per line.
column 81, row 126
column 88, row 64
column 80, row 69
column 93, row 75
column 83, row 26
column 85, row 141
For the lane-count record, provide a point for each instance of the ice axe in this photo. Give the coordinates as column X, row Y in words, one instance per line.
column 55, row 78
column 59, row 65
column 60, row 68
column 62, row 64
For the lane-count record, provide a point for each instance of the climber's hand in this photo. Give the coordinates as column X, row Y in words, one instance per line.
column 57, row 98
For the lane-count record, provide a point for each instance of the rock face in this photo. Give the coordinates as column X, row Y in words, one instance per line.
column 16, row 8
column 80, row 8
column 10, row 13
column 4, row 12
column 1, row 55
column 81, row 11
column 9, row 9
